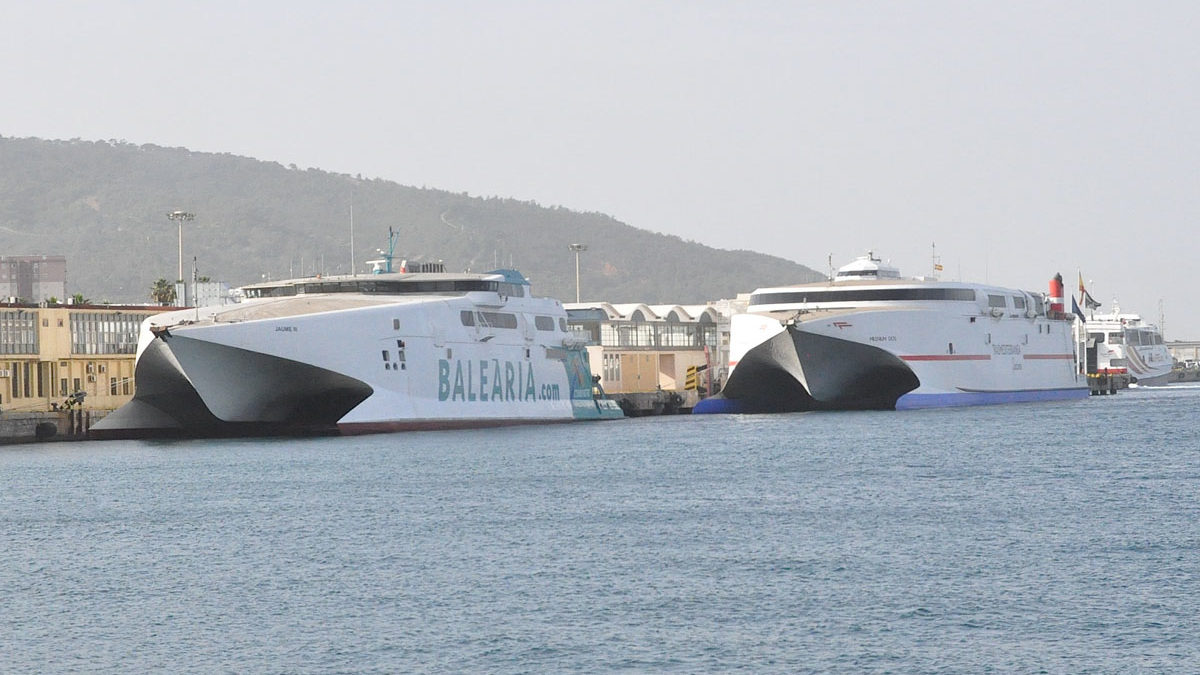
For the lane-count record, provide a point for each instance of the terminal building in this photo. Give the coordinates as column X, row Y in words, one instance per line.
column 54, row 356
column 655, row 359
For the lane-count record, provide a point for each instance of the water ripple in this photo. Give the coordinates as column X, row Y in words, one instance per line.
column 1002, row 539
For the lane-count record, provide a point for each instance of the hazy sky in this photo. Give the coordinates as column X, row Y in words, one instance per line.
column 1023, row 138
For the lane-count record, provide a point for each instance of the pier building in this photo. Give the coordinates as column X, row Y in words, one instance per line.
column 1186, row 356
column 68, row 356
column 655, row 359
column 1184, row 350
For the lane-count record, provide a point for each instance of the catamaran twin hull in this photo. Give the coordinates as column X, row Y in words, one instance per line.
column 294, row 366
column 898, row 359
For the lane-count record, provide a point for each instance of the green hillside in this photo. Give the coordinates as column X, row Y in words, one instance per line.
column 103, row 205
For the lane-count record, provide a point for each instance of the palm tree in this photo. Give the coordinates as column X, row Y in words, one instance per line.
column 162, row 292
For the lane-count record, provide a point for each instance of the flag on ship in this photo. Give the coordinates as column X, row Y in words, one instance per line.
column 1075, row 309
column 1085, row 297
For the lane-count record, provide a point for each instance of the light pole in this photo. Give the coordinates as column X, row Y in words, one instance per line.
column 577, row 248
column 179, row 217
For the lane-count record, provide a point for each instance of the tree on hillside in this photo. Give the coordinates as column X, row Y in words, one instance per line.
column 105, row 202
column 162, row 292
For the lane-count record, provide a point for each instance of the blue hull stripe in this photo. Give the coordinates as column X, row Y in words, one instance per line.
column 915, row 401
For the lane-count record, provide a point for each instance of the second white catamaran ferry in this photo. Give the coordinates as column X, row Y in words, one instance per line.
column 869, row 339
column 357, row 354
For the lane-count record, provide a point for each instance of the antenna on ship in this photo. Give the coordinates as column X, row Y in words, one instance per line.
column 830, row 267
column 384, row 265
column 936, row 260
column 387, row 256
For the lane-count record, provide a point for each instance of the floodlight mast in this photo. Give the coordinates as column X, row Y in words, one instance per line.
column 577, row 248
column 179, row 217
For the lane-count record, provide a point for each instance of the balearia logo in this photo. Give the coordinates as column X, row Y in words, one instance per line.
column 487, row 380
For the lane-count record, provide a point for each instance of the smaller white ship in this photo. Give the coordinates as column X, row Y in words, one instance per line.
column 1120, row 344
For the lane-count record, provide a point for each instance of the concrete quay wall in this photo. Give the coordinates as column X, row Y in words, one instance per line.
column 63, row 425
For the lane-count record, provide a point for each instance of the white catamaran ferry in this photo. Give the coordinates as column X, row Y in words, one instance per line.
column 869, row 339
column 358, row 354
column 1124, row 343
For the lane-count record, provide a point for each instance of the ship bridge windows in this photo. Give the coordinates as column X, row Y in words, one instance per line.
column 1018, row 302
column 489, row 319
column 375, row 286
column 997, row 301
column 1142, row 337
column 544, row 322
column 799, row 297
column 1116, row 339
column 1097, row 337
column 498, row 319
column 270, row 292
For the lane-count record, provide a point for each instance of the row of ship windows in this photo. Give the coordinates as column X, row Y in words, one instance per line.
column 865, row 295
column 389, row 287
column 1001, row 301
column 501, row 320
column 506, row 320
column 889, row 294
column 1137, row 338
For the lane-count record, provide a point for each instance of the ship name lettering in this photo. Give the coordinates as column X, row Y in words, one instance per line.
column 1006, row 349
column 487, row 380
column 286, row 329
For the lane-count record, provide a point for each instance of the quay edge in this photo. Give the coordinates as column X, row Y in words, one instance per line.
column 36, row 427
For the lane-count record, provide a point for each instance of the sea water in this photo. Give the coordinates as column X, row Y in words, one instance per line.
column 1056, row 537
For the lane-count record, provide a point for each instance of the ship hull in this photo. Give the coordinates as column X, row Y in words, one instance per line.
column 899, row 359
column 797, row 371
column 375, row 367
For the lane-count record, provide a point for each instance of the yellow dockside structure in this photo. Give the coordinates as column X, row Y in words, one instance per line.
column 655, row 359
column 77, row 356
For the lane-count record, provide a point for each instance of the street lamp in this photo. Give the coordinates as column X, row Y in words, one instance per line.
column 179, row 217
column 577, row 248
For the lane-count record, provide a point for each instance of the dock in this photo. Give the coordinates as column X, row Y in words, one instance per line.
column 38, row 427
column 1104, row 384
